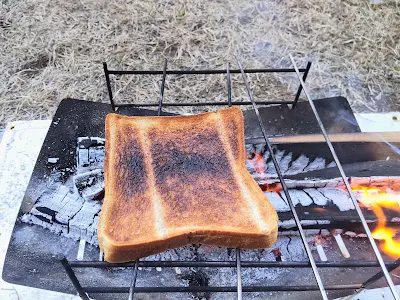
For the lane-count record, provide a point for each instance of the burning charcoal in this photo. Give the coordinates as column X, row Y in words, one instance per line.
column 298, row 165
column 316, row 164
column 89, row 184
column 317, row 197
column 284, row 163
column 319, row 240
column 277, row 202
column 294, row 198
column 250, row 151
column 339, row 197
column 278, row 255
column 300, row 196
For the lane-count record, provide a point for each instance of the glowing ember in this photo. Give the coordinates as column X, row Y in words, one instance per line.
column 376, row 199
column 257, row 163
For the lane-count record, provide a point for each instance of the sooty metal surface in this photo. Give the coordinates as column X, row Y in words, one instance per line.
column 33, row 254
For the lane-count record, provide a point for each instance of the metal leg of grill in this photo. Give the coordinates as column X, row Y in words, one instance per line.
column 74, row 280
column 300, row 86
column 133, row 282
column 110, row 94
column 285, row 189
column 347, row 184
column 239, row 275
column 160, row 102
column 229, row 84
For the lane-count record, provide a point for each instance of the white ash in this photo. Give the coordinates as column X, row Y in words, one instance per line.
column 52, row 160
column 66, row 213
column 297, row 196
column 89, row 184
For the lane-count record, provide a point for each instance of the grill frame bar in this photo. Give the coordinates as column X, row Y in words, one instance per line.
column 227, row 71
column 83, row 291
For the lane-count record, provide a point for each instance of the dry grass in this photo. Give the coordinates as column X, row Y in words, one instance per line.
column 52, row 49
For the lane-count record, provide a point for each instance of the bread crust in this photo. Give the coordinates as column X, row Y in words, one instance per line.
column 173, row 181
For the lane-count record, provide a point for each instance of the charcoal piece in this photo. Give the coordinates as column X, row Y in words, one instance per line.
column 260, row 148
column 339, row 197
column 83, row 157
column 90, row 154
column 71, row 204
column 317, row 197
column 81, row 224
column 316, row 164
column 299, row 196
column 90, row 184
column 331, row 164
column 277, row 202
column 285, row 161
column 298, row 165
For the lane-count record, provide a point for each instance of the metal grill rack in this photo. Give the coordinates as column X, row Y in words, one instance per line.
column 385, row 267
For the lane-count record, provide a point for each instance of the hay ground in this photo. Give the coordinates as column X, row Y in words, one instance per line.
column 52, row 49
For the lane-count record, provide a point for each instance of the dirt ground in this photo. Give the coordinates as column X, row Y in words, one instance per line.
column 52, row 49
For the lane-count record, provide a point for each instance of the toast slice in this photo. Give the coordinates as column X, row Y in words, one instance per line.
column 173, row 181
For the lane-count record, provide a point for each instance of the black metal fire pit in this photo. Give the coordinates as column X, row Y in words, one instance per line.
column 53, row 257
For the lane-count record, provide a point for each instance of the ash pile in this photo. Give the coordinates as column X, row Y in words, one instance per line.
column 72, row 208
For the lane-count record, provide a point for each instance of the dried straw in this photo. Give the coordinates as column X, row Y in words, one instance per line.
column 52, row 49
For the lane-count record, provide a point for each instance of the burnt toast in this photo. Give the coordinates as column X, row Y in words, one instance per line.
column 173, row 181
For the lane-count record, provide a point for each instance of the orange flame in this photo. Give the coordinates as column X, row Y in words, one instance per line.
column 376, row 199
column 257, row 163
